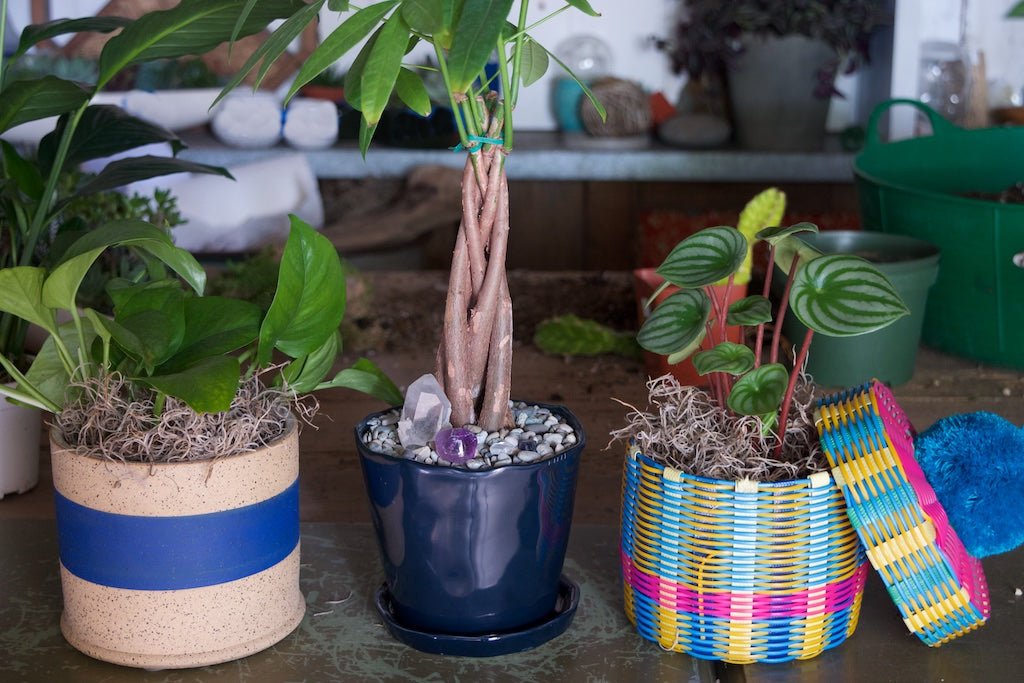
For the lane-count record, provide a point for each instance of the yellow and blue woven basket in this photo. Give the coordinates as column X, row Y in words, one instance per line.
column 938, row 587
column 738, row 571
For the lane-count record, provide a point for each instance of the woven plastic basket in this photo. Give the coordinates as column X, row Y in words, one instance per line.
column 938, row 587
column 738, row 571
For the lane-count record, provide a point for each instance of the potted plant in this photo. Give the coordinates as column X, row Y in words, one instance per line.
column 174, row 445
column 763, row 210
column 38, row 204
column 735, row 540
column 472, row 551
column 777, row 61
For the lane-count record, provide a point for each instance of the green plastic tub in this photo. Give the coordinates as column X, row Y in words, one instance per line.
column 917, row 187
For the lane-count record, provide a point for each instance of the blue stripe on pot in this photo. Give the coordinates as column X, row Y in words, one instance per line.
column 172, row 553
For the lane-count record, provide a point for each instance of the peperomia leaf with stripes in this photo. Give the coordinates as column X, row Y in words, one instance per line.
column 837, row 295
column 842, row 295
column 676, row 323
column 704, row 258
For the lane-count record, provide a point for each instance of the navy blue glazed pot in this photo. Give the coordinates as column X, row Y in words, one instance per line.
column 472, row 552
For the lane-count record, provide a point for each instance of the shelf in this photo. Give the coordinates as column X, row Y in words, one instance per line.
column 548, row 156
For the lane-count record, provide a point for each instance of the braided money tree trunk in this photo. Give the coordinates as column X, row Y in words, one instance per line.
column 474, row 360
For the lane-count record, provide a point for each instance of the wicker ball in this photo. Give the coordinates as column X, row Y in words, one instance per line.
column 627, row 106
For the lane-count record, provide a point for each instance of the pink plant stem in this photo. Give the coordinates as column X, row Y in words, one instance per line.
column 790, row 388
column 759, row 342
column 783, row 305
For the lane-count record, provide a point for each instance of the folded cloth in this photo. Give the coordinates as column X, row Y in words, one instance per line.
column 311, row 123
column 249, row 121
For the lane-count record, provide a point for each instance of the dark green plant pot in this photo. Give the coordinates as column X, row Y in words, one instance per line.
column 889, row 354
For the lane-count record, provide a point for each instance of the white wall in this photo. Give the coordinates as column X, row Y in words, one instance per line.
column 626, row 26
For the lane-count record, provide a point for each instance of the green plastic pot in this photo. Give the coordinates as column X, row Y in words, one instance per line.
column 926, row 188
column 889, row 354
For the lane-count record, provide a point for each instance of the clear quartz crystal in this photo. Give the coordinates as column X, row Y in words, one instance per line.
column 426, row 412
column 455, row 445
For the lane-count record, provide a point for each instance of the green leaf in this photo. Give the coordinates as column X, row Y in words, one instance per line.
column 705, row 257
column 148, row 337
column 134, row 232
column 310, row 299
column 192, row 27
column 383, row 64
column 60, row 290
column 25, row 174
column 424, row 16
column 367, row 378
column 571, row 335
column 841, row 295
column 272, row 48
column 1017, row 10
column 764, row 210
column 48, row 374
column 788, row 248
column 751, row 310
column 34, row 34
column 214, row 325
column 209, row 386
column 774, row 234
column 365, row 136
column 21, row 293
column 534, row 63
column 760, row 391
column 583, row 6
column 104, row 130
column 412, row 92
column 305, row 374
column 676, row 323
column 734, row 359
column 339, row 42
column 33, row 99
column 133, row 169
column 476, row 36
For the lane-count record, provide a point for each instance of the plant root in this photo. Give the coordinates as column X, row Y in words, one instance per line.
column 685, row 429
column 109, row 421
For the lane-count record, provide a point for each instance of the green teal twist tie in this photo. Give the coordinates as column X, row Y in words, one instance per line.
column 480, row 142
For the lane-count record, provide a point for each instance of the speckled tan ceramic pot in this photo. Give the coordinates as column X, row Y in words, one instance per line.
column 180, row 564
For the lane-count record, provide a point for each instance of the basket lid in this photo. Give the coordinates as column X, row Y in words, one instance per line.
column 937, row 585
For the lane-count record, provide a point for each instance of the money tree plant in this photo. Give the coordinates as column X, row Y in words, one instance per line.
column 474, row 360
column 838, row 295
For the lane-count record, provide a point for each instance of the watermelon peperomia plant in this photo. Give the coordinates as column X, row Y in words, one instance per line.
column 838, row 295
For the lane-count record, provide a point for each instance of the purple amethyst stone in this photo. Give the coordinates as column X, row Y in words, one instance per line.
column 455, row 445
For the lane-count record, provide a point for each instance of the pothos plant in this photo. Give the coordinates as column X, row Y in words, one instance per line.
column 474, row 359
column 838, row 295
column 169, row 340
column 32, row 200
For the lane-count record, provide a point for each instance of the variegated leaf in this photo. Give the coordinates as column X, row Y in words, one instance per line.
column 734, row 359
column 704, row 258
column 841, row 295
column 676, row 323
column 760, row 391
column 751, row 310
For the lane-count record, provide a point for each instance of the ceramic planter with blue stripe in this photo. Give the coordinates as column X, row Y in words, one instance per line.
column 179, row 564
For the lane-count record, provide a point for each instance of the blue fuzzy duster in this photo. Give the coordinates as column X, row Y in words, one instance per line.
column 975, row 463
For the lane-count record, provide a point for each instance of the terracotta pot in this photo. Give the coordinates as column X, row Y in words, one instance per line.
column 179, row 564
column 19, row 451
column 645, row 282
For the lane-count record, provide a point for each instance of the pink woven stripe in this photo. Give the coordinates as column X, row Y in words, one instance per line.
column 967, row 568
column 807, row 602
